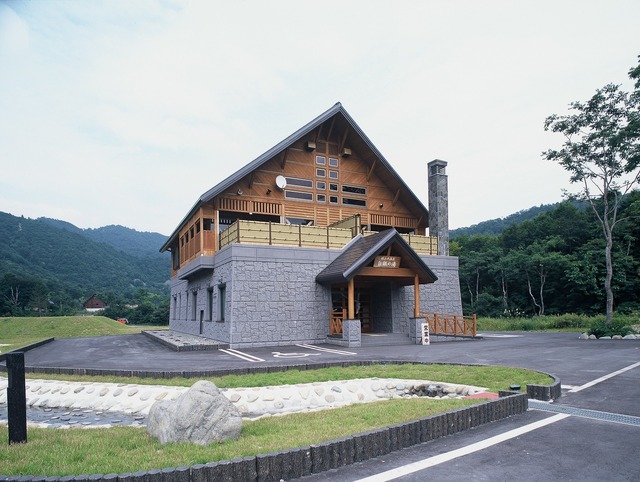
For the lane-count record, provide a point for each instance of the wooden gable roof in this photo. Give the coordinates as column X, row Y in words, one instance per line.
column 361, row 252
column 338, row 120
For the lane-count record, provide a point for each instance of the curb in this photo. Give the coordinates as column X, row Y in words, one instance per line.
column 301, row 461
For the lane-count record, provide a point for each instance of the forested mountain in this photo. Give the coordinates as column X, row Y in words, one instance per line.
column 54, row 263
column 496, row 226
column 552, row 263
column 136, row 243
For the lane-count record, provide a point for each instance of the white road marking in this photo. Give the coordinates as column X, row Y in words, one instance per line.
column 602, row 379
column 454, row 454
column 496, row 335
column 328, row 350
column 244, row 356
column 278, row 354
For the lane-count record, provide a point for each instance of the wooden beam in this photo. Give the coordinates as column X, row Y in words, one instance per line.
column 373, row 166
column 416, row 296
column 284, row 158
column 251, row 179
column 387, row 272
column 344, row 139
column 396, row 197
column 351, row 305
column 333, row 120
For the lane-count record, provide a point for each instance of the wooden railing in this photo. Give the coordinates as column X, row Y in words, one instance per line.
column 450, row 325
column 422, row 244
column 336, row 318
column 256, row 232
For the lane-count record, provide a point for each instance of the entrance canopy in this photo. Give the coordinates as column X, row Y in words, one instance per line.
column 381, row 255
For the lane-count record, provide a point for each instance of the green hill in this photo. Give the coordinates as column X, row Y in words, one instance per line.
column 72, row 263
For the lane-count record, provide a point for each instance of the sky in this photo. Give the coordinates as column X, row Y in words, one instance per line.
column 125, row 112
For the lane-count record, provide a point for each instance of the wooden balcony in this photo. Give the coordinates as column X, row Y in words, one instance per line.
column 276, row 234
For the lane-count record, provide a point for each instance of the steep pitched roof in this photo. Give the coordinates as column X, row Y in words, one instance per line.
column 362, row 251
column 359, row 141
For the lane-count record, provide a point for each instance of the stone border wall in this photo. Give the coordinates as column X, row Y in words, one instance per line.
column 301, row 461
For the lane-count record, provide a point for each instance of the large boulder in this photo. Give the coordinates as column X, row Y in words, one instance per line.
column 201, row 415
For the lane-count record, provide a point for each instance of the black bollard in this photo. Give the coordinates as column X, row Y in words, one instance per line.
column 16, row 398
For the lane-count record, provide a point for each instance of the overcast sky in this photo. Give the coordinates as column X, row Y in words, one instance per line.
column 125, row 112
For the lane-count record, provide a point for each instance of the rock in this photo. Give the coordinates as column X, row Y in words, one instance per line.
column 616, row 337
column 584, row 336
column 604, row 338
column 629, row 337
column 593, row 337
column 201, row 415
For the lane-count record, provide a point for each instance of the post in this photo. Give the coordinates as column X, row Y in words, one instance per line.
column 416, row 296
column 351, row 299
column 16, row 398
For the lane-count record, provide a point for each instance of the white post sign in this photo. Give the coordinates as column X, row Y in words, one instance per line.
column 425, row 334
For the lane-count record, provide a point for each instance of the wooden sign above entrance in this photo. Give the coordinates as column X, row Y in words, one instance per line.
column 386, row 262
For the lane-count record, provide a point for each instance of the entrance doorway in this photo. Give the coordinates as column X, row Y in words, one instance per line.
column 339, row 301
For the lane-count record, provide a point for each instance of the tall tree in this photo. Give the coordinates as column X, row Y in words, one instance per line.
column 601, row 151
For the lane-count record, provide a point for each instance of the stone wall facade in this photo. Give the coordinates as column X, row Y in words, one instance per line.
column 268, row 296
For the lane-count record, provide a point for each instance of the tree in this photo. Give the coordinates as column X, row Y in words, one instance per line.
column 601, row 151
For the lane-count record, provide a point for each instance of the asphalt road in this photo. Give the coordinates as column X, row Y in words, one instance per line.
column 545, row 445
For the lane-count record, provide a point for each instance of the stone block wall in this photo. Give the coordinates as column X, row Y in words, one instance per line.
column 272, row 297
column 443, row 296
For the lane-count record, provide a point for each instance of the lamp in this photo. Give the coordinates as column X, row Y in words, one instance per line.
column 239, row 193
column 381, row 205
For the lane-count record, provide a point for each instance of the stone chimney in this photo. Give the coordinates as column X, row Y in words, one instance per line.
column 439, row 204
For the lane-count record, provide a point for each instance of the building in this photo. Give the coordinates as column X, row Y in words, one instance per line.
column 317, row 240
column 94, row 304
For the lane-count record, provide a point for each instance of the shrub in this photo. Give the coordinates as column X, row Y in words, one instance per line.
column 618, row 327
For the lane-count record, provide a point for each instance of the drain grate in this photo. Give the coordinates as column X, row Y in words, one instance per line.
column 582, row 412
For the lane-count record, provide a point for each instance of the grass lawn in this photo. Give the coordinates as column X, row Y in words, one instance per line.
column 129, row 449
column 16, row 332
column 492, row 377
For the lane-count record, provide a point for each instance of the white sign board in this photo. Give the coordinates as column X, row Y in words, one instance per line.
column 425, row 334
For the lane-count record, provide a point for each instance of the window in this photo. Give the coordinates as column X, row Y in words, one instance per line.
column 194, row 304
column 301, row 221
column 321, row 173
column 333, row 187
column 293, row 181
column 222, row 301
column 333, row 162
column 175, row 307
column 354, row 202
column 333, row 174
column 354, row 190
column 321, row 160
column 321, row 185
column 321, row 198
column 175, row 258
column 333, row 199
column 210, row 304
column 298, row 196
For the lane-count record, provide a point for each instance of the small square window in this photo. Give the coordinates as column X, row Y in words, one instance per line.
column 321, row 198
column 333, row 187
column 321, row 160
column 321, row 172
column 333, row 199
column 321, row 185
column 333, row 162
column 333, row 174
